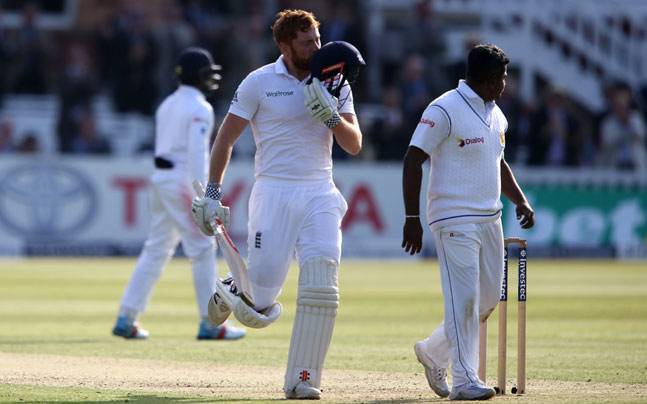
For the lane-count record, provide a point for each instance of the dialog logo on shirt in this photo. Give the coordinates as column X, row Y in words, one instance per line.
column 429, row 122
column 502, row 138
column 474, row 140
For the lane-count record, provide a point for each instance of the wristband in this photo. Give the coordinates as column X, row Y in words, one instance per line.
column 213, row 191
column 333, row 121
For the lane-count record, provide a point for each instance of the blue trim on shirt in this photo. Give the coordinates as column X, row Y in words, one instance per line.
column 454, row 217
column 448, row 117
column 473, row 110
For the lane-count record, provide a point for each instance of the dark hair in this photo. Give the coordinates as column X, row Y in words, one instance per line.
column 289, row 22
column 485, row 63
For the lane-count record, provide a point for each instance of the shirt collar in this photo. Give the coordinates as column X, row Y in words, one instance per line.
column 191, row 90
column 467, row 92
column 281, row 68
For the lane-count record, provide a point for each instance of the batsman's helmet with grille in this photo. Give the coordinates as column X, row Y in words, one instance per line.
column 336, row 64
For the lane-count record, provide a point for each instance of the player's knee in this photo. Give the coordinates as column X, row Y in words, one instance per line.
column 264, row 297
column 318, row 285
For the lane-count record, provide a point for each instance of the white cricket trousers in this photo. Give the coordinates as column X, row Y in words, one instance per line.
column 288, row 217
column 470, row 258
column 171, row 222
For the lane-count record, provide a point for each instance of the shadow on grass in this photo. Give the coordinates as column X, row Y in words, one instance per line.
column 50, row 341
column 157, row 399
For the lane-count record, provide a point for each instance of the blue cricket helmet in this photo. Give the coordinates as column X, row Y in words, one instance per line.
column 336, row 64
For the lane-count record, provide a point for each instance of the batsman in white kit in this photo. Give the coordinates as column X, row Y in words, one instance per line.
column 183, row 127
column 462, row 133
column 294, row 207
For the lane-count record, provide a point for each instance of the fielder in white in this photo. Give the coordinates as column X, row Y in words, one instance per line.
column 462, row 133
column 184, row 123
column 294, row 207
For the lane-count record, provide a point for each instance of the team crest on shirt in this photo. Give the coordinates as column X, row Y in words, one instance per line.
column 502, row 138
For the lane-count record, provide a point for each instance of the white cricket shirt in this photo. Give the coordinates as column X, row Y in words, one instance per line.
column 183, row 125
column 290, row 143
column 464, row 137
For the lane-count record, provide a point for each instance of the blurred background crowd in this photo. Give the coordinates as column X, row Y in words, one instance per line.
column 85, row 70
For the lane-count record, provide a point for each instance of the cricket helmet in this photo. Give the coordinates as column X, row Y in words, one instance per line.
column 195, row 67
column 336, row 64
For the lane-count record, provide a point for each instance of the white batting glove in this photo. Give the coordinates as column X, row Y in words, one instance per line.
column 205, row 210
column 321, row 104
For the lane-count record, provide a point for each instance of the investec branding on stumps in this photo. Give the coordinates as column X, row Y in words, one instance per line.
column 522, row 275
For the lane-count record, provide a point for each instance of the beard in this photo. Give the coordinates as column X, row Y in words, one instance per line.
column 300, row 63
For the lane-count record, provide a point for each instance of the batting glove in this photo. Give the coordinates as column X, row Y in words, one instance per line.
column 205, row 210
column 321, row 104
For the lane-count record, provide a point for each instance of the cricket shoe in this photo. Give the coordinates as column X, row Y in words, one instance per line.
column 436, row 376
column 472, row 391
column 222, row 331
column 217, row 310
column 129, row 329
column 303, row 391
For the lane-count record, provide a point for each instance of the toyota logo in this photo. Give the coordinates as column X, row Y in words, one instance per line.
column 46, row 200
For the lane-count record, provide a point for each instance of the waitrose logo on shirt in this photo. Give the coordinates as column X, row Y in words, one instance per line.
column 278, row 93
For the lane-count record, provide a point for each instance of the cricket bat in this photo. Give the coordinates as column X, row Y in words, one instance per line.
column 235, row 262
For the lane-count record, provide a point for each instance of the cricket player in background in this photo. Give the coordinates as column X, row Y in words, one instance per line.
column 184, row 123
column 462, row 133
column 294, row 205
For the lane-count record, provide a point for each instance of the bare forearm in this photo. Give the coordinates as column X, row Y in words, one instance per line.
column 220, row 156
column 348, row 135
column 509, row 186
column 412, row 180
column 231, row 128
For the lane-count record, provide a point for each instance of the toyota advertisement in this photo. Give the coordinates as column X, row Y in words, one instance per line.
column 79, row 206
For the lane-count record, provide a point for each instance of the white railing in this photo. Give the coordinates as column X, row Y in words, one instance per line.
column 575, row 44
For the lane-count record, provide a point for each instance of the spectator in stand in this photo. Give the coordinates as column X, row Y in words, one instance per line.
column 77, row 88
column 5, row 58
column 128, row 47
column 425, row 37
column 29, row 144
column 622, row 134
column 6, row 136
column 414, row 91
column 88, row 141
column 555, row 133
column 30, row 61
column 171, row 35
column 456, row 70
column 386, row 131
column 516, row 112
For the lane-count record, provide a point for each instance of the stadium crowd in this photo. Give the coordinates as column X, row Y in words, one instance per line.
column 128, row 51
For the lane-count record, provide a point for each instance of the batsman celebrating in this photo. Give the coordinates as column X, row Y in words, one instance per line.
column 294, row 205
column 462, row 132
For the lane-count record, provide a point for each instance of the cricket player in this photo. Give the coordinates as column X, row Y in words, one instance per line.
column 462, row 133
column 294, row 207
column 184, row 123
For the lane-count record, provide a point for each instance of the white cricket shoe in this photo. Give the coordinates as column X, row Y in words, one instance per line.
column 303, row 391
column 436, row 376
column 472, row 391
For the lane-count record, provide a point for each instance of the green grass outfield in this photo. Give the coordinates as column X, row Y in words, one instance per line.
column 587, row 325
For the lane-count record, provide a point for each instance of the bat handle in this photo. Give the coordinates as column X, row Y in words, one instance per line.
column 197, row 187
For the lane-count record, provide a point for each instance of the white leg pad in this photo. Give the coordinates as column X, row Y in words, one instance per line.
column 317, row 303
